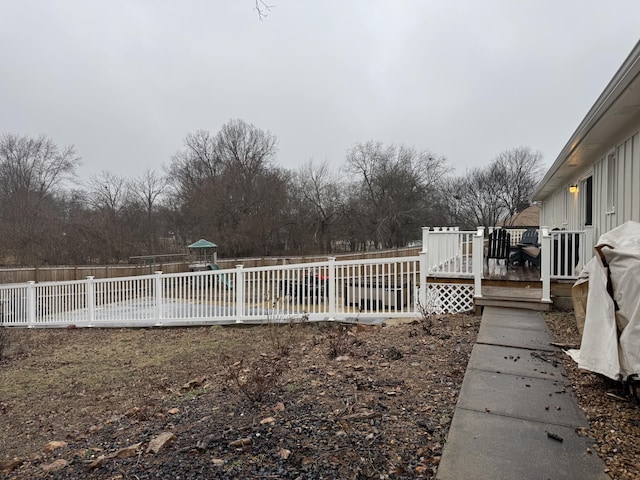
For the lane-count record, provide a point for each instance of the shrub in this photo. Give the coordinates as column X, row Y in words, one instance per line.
column 257, row 379
column 282, row 335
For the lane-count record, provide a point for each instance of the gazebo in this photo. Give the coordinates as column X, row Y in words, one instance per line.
column 202, row 255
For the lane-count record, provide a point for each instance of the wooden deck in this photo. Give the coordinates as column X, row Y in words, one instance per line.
column 512, row 274
column 515, row 286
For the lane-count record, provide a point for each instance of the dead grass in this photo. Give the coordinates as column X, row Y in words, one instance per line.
column 59, row 381
column 381, row 408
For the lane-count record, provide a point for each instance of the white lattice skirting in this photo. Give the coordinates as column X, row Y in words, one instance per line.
column 449, row 297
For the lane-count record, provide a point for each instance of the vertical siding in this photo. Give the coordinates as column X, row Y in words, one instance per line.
column 627, row 188
column 561, row 210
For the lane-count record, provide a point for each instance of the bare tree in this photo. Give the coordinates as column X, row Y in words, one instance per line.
column 244, row 148
column 518, row 171
column 34, row 167
column 262, row 8
column 107, row 192
column 321, row 196
column 147, row 189
column 31, row 173
column 492, row 194
column 398, row 186
column 224, row 184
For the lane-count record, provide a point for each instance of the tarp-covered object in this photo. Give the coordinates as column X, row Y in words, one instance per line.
column 611, row 338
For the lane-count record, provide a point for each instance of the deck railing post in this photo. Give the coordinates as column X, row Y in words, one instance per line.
column 424, row 269
column 425, row 240
column 31, row 304
column 589, row 243
column 332, row 287
column 91, row 300
column 158, row 293
column 545, row 267
column 240, row 286
column 424, row 275
column 478, row 261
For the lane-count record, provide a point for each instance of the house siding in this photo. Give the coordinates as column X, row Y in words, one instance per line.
column 626, row 192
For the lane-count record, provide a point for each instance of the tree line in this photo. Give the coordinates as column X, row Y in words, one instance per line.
column 227, row 187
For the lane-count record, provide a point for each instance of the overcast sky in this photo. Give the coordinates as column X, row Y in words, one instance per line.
column 125, row 81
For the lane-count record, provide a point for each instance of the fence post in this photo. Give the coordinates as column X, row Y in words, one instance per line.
column 332, row 288
column 478, row 261
column 31, row 304
column 545, row 267
column 91, row 300
column 239, row 286
column 158, row 294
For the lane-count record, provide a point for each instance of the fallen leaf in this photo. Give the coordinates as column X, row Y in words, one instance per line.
column 7, row 466
column 264, row 421
column 126, row 452
column 132, row 411
column 284, row 453
column 160, row 441
column 195, row 383
column 241, row 442
column 97, row 463
column 54, row 445
column 173, row 411
column 278, row 407
column 55, row 466
column 217, row 462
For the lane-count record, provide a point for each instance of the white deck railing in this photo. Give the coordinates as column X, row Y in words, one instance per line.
column 330, row 290
column 449, row 251
column 452, row 253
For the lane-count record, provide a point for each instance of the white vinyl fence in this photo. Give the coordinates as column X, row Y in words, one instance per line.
column 330, row 290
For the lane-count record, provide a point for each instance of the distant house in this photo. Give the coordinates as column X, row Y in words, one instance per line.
column 594, row 184
column 527, row 218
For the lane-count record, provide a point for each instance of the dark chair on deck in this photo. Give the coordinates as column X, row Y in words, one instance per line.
column 499, row 245
column 528, row 249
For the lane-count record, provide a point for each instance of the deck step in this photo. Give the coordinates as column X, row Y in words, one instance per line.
column 527, row 298
column 511, row 303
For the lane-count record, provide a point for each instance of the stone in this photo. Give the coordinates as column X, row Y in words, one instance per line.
column 160, row 441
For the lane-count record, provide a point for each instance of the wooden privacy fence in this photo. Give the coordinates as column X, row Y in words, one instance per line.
column 69, row 273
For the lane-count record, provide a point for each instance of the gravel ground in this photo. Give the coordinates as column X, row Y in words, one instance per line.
column 261, row 402
column 614, row 417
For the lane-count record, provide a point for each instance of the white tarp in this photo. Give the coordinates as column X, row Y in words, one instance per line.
column 611, row 339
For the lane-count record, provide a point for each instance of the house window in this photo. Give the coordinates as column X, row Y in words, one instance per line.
column 611, row 182
column 587, row 202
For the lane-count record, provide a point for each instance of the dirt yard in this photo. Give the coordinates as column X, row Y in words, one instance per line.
column 613, row 417
column 312, row 401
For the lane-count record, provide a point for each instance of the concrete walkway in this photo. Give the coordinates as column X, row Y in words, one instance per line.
column 516, row 416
